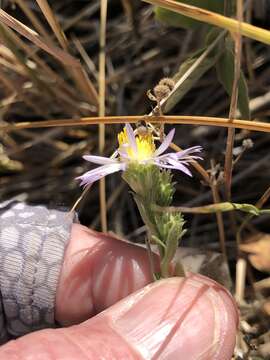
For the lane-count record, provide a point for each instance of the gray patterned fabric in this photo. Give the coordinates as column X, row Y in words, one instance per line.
column 32, row 244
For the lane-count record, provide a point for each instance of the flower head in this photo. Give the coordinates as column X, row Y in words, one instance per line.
column 139, row 148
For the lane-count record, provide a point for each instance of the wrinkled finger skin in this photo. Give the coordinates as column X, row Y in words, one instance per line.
column 177, row 318
column 98, row 271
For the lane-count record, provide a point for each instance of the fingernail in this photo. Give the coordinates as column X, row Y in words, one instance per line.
column 178, row 317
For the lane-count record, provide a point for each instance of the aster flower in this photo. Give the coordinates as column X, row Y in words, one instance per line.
column 139, row 148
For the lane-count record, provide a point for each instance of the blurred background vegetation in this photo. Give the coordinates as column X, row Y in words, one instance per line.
column 51, row 68
column 140, row 50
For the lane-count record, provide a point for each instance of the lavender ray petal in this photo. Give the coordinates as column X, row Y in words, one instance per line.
column 189, row 151
column 183, row 168
column 165, row 144
column 175, row 166
column 183, row 154
column 101, row 160
column 131, row 138
column 187, row 158
column 123, row 155
column 179, row 166
column 96, row 174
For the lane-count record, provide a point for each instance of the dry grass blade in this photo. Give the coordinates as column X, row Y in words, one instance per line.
column 62, row 91
column 241, row 269
column 262, row 284
column 87, row 11
column 228, row 166
column 23, row 61
column 101, row 107
column 17, row 68
column 111, row 200
column 74, row 206
column 88, row 62
column 166, row 119
column 101, row 111
column 78, row 73
column 34, row 20
column 54, row 24
column 17, row 91
column 85, row 84
column 128, row 9
column 6, row 81
column 209, row 17
column 31, row 35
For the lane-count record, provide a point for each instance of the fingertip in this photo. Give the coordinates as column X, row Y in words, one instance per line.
column 178, row 318
column 172, row 318
column 223, row 292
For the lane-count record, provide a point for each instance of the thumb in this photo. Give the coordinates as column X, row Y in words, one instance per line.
column 190, row 318
column 98, row 271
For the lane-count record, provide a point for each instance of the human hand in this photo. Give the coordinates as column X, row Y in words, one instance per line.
column 176, row 318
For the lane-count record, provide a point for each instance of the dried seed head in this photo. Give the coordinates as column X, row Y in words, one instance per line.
column 142, row 130
column 161, row 92
column 247, row 143
column 151, row 96
column 170, row 83
column 220, row 179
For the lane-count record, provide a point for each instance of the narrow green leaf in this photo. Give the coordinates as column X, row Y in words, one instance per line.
column 173, row 19
column 158, row 241
column 172, row 243
column 213, row 208
column 225, row 73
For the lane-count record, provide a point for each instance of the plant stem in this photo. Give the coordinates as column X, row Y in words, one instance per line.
column 233, row 106
column 220, row 223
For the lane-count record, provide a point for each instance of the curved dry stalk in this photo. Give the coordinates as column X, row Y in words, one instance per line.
column 166, row 119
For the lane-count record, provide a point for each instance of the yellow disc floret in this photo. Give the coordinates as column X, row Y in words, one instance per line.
column 145, row 146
